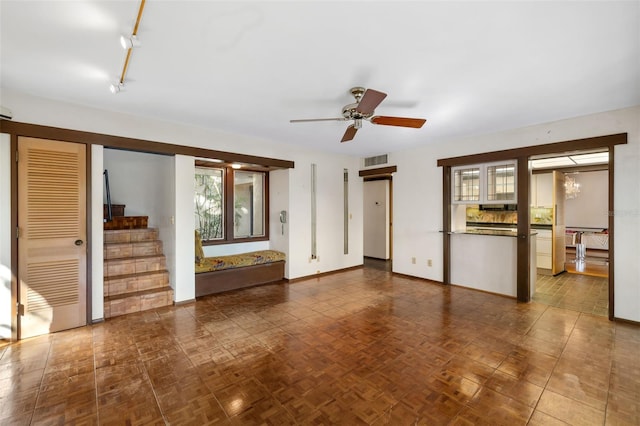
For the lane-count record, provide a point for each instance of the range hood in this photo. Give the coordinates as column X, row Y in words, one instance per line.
column 498, row 207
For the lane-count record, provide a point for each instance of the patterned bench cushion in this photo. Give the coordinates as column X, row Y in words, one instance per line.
column 218, row 263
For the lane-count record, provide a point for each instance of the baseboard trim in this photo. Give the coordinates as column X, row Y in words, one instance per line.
column 413, row 277
column 626, row 321
column 322, row 274
column 453, row 285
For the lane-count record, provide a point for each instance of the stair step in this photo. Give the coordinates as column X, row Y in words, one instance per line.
column 130, row 235
column 127, row 222
column 132, row 283
column 138, row 301
column 134, row 265
column 122, row 250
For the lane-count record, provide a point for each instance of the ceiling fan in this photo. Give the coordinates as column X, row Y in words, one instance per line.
column 366, row 102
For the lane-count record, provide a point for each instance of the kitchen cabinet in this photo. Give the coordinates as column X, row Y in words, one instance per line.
column 542, row 190
column 491, row 183
column 551, row 247
column 466, row 185
column 543, row 247
column 558, row 230
column 501, row 182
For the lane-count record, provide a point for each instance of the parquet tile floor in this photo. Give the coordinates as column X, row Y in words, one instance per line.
column 358, row 347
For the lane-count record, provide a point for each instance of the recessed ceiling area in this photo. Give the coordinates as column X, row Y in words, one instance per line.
column 571, row 160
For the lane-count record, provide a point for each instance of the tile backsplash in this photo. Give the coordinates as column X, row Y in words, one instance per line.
column 542, row 215
column 539, row 215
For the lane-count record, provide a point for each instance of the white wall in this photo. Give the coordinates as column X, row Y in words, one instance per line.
column 330, row 215
column 278, row 201
column 97, row 234
column 376, row 219
column 5, row 236
column 418, row 195
column 181, row 251
column 293, row 185
column 590, row 208
column 417, row 185
column 142, row 182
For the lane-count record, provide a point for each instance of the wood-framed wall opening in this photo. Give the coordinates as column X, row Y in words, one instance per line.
column 383, row 173
column 522, row 155
column 16, row 129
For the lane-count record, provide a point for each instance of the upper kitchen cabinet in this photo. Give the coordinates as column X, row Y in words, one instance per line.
column 501, row 183
column 493, row 183
column 542, row 190
column 466, row 185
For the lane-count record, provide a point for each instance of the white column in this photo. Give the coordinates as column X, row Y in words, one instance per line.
column 182, row 259
column 97, row 232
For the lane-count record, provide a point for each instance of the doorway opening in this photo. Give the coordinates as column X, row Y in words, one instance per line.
column 584, row 284
column 378, row 224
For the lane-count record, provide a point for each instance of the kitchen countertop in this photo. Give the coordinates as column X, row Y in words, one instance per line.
column 513, row 232
column 491, row 225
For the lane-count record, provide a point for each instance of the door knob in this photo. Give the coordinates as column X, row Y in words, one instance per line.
column 78, row 242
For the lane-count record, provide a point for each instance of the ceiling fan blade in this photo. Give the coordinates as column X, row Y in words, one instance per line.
column 305, row 120
column 349, row 133
column 398, row 121
column 370, row 100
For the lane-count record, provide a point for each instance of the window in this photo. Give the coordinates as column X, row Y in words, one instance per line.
column 209, row 201
column 230, row 205
column 248, row 202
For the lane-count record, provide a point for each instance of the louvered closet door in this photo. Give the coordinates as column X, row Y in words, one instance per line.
column 52, row 235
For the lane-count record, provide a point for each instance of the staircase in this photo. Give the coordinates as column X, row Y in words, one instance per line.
column 135, row 272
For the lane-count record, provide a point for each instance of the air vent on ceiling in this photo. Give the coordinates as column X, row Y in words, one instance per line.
column 375, row 161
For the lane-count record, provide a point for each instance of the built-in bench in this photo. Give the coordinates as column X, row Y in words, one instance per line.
column 224, row 273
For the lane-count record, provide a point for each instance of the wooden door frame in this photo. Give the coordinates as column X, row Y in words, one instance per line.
column 383, row 173
column 522, row 156
column 15, row 288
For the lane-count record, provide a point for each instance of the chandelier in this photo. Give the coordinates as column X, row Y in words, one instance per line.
column 571, row 187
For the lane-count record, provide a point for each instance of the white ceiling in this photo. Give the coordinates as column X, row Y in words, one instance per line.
column 249, row 67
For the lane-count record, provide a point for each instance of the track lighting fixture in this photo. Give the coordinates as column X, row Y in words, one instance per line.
column 115, row 87
column 128, row 42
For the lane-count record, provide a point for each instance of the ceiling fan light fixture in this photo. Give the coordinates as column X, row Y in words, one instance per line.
column 129, row 42
column 367, row 100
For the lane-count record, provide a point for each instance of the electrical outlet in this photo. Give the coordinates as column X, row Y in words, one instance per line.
column 413, row 260
column 429, row 263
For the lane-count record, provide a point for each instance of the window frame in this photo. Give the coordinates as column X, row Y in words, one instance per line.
column 228, row 196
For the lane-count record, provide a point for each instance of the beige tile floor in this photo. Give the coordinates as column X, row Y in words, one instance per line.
column 577, row 292
column 358, row 347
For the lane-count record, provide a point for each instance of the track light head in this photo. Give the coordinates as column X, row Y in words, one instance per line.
column 116, row 87
column 128, row 42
